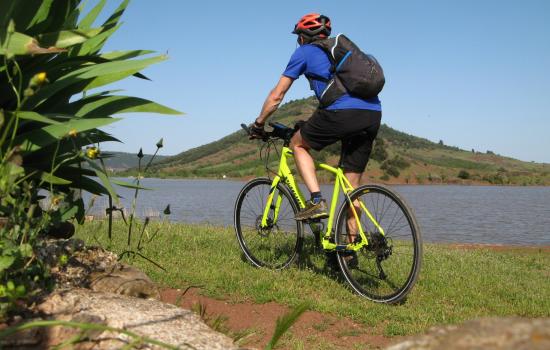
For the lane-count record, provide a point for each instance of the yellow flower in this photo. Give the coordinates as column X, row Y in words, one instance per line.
column 56, row 200
column 92, row 152
column 72, row 133
column 40, row 77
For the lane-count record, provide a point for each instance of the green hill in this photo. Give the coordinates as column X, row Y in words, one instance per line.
column 397, row 158
column 119, row 161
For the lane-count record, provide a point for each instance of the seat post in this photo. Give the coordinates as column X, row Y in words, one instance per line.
column 341, row 160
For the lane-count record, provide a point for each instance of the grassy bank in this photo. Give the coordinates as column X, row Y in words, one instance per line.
column 456, row 283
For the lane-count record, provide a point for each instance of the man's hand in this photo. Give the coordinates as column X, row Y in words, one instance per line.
column 256, row 130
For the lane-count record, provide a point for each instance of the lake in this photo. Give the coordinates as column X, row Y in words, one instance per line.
column 459, row 214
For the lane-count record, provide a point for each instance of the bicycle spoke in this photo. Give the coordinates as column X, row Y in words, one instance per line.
column 276, row 244
column 386, row 268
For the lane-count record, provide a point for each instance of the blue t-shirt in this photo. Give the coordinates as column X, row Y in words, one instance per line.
column 312, row 61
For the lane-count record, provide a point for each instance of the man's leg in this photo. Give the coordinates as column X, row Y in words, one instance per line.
column 304, row 162
column 316, row 208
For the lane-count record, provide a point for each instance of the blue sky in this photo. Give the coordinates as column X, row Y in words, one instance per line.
column 475, row 74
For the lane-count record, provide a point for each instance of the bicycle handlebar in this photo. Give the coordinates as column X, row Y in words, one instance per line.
column 280, row 131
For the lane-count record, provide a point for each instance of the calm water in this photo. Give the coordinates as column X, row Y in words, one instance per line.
column 464, row 214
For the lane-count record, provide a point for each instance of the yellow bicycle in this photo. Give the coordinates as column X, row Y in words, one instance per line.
column 373, row 232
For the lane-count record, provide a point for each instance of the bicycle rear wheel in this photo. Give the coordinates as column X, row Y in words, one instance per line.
column 387, row 268
column 278, row 244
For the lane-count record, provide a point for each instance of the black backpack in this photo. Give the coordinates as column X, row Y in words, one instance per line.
column 353, row 71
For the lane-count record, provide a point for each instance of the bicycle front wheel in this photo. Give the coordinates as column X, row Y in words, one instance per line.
column 386, row 269
column 277, row 244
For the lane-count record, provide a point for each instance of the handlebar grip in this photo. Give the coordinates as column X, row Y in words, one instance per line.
column 245, row 127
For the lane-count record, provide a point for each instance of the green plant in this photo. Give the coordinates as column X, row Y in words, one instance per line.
column 284, row 323
column 50, row 67
column 133, row 221
column 51, row 64
column 21, row 274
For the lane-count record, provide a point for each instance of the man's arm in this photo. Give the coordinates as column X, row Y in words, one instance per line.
column 274, row 98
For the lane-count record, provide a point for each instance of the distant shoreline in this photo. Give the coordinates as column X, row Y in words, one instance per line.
column 386, row 183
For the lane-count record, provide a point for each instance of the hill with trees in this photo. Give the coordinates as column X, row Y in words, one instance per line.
column 397, row 158
column 119, row 161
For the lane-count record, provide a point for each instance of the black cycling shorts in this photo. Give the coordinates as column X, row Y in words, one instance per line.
column 356, row 128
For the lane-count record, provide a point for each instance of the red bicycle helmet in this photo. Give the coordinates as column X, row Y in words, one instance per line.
column 313, row 25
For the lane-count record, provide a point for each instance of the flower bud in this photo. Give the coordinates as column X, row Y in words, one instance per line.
column 159, row 144
column 140, row 153
column 28, row 92
column 38, row 79
column 92, row 152
column 167, row 210
column 41, row 77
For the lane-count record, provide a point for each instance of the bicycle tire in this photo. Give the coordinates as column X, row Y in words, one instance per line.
column 387, row 268
column 275, row 247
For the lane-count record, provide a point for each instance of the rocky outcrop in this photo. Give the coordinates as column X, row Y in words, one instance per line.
column 93, row 287
column 511, row 333
column 77, row 266
column 163, row 322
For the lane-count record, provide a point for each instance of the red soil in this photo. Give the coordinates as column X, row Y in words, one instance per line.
column 313, row 328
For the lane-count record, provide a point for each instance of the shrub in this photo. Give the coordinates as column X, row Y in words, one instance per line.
column 399, row 162
column 392, row 166
column 390, row 169
column 463, row 174
column 379, row 152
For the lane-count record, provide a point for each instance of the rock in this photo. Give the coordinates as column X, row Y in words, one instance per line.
column 150, row 318
column 125, row 280
column 28, row 338
column 76, row 267
column 512, row 333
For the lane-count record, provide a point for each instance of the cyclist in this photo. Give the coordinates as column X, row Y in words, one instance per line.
column 351, row 120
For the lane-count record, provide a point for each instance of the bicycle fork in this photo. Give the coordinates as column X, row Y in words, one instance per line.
column 271, row 206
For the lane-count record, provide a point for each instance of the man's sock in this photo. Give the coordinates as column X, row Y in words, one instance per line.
column 316, row 197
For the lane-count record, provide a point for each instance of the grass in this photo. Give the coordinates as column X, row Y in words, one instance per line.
column 455, row 284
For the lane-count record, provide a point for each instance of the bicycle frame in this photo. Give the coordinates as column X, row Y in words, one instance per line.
column 341, row 182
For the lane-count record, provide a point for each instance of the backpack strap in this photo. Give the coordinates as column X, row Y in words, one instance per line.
column 328, row 45
column 318, row 77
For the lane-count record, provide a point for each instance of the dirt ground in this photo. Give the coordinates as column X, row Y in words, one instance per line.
column 257, row 323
